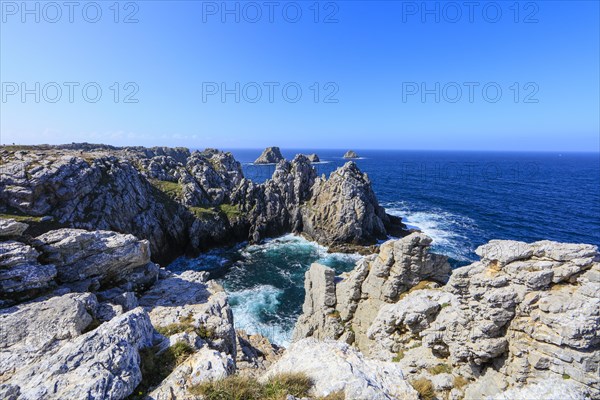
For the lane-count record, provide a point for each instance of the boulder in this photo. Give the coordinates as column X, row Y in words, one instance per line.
column 101, row 364
column 21, row 274
column 271, row 155
column 11, row 228
column 80, row 255
column 335, row 366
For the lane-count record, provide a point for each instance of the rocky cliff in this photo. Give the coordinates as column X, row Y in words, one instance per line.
column 182, row 201
column 521, row 321
column 85, row 314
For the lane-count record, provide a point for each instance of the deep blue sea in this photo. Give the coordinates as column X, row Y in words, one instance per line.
column 460, row 199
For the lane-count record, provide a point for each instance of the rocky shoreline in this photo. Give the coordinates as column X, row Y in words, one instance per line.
column 86, row 311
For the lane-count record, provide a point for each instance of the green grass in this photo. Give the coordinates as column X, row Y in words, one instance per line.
column 440, row 369
column 244, row 388
column 203, row 212
column 566, row 376
column 186, row 324
column 444, row 305
column 230, row 210
column 21, row 217
column 399, row 356
column 171, row 189
column 156, row 367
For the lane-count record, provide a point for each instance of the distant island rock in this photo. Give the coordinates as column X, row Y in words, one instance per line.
column 271, row 155
column 313, row 158
column 350, row 154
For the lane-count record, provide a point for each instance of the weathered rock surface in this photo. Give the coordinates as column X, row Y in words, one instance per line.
column 526, row 314
column 345, row 309
column 21, row 275
column 350, row 154
column 204, row 365
column 11, row 228
column 180, row 201
column 335, row 366
column 200, row 307
column 271, row 155
column 80, row 255
column 101, row 364
column 313, row 158
column 32, row 331
column 344, row 209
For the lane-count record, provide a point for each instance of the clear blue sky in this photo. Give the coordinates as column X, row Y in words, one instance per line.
column 376, row 55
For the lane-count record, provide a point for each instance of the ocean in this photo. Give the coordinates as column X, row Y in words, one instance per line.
column 460, row 199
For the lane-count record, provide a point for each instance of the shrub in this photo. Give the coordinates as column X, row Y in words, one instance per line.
column 186, row 324
column 339, row 395
column 399, row 356
column 566, row 376
column 424, row 387
column 156, row 367
column 440, row 369
column 460, row 382
column 244, row 388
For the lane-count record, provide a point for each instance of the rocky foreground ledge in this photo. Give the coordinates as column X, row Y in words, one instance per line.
column 88, row 315
column 185, row 202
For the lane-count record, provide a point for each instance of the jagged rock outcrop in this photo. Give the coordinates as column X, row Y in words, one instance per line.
column 101, row 364
column 313, row 158
column 197, row 313
column 350, row 154
column 344, row 308
column 335, row 366
column 21, row 274
column 180, row 201
column 344, row 209
column 101, row 256
column 271, row 155
column 523, row 318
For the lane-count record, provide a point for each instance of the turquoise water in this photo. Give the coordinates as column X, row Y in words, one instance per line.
column 265, row 282
column 460, row 199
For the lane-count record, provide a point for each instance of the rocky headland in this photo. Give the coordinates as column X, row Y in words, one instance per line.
column 86, row 311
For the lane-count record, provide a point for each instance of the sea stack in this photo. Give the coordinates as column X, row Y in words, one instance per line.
column 313, row 158
column 350, row 154
column 271, row 155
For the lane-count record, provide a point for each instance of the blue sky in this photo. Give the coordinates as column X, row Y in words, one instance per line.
column 370, row 62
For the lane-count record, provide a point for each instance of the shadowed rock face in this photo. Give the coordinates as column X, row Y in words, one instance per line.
column 271, row 155
column 344, row 209
column 185, row 202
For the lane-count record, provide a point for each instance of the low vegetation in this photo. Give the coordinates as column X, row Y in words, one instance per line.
column 230, row 210
column 399, row 356
column 156, row 367
column 21, row 217
column 440, row 369
column 425, row 388
column 244, row 388
column 334, row 314
column 171, row 189
column 460, row 382
column 186, row 324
